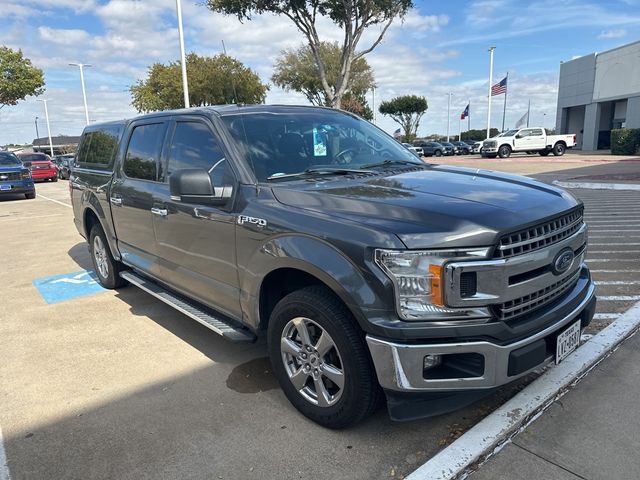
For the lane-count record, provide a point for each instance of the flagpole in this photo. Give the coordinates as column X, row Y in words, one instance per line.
column 506, row 89
column 528, row 113
column 459, row 129
column 469, row 117
column 491, row 49
column 448, row 115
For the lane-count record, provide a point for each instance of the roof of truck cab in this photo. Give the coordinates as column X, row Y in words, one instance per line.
column 221, row 110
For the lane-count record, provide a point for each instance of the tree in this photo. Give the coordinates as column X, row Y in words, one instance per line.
column 357, row 104
column 212, row 81
column 296, row 70
column 352, row 16
column 18, row 77
column 407, row 111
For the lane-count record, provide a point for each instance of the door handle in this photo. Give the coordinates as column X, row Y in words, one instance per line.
column 116, row 200
column 159, row 211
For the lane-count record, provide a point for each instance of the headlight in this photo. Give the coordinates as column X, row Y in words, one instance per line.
column 418, row 280
column 26, row 174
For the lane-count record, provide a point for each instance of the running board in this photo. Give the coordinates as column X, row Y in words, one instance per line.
column 190, row 309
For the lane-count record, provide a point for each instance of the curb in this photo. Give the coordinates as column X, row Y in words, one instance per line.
column 598, row 186
column 493, row 432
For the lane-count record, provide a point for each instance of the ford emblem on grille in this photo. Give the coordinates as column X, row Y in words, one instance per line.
column 563, row 261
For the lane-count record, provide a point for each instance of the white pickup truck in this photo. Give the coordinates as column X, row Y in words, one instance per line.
column 527, row 140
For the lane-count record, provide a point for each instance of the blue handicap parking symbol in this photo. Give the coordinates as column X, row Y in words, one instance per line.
column 67, row 286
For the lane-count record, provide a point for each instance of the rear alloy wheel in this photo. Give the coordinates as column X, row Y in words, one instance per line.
column 320, row 359
column 559, row 149
column 504, row 151
column 106, row 267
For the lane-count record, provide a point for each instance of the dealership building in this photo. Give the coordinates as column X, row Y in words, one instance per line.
column 598, row 93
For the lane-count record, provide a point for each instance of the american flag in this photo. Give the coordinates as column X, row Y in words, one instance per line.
column 499, row 88
column 397, row 133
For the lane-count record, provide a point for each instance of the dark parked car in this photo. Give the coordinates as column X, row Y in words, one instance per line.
column 463, row 148
column 431, row 149
column 366, row 269
column 15, row 178
column 64, row 163
column 449, row 148
column 41, row 166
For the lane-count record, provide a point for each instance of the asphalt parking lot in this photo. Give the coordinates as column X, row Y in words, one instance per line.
column 119, row 385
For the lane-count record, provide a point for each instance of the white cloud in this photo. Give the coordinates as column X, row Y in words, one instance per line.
column 63, row 36
column 609, row 34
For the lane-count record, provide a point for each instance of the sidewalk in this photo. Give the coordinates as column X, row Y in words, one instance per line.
column 593, row 432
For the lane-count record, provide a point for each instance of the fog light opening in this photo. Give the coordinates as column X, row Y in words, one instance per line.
column 431, row 361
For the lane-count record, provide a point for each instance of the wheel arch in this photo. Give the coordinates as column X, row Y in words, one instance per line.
column 302, row 261
column 94, row 213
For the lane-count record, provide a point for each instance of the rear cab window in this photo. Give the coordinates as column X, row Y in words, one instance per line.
column 143, row 151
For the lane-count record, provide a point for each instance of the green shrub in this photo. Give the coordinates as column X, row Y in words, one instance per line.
column 625, row 141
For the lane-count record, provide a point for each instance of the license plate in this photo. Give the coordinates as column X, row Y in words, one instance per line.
column 567, row 341
column 5, row 187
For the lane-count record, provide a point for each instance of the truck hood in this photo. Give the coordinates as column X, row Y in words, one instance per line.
column 435, row 206
column 11, row 168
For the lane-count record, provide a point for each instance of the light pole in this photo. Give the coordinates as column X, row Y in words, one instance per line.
column 37, row 134
column 373, row 102
column 185, row 86
column 448, row 115
column 84, row 93
column 46, row 115
column 491, row 49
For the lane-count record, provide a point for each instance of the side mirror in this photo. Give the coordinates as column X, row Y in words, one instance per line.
column 193, row 185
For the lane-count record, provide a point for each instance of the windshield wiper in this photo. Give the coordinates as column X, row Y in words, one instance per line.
column 390, row 162
column 318, row 171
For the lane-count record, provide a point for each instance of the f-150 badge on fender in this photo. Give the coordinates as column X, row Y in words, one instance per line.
column 261, row 222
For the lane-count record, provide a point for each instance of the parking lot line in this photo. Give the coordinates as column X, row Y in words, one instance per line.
column 615, row 271
column 591, row 244
column 39, row 195
column 617, row 282
column 4, row 466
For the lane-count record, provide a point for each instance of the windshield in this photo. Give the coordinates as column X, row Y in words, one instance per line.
column 36, row 157
column 509, row 133
column 283, row 143
column 9, row 159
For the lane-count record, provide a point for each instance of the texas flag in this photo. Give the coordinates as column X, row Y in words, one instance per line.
column 464, row 114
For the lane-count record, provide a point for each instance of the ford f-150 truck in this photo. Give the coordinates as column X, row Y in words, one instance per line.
column 528, row 140
column 368, row 271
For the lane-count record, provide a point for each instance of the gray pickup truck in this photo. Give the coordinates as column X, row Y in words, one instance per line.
column 371, row 273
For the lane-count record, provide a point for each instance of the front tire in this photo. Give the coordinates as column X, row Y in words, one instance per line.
column 30, row 196
column 438, row 153
column 504, row 151
column 54, row 179
column 106, row 267
column 320, row 359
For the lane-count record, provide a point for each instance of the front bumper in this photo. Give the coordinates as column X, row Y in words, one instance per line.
column 399, row 366
column 16, row 187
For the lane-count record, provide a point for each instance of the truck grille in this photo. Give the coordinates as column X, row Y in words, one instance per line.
column 533, row 301
column 539, row 236
column 10, row 176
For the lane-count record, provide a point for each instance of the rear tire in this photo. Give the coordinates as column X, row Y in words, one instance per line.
column 559, row 149
column 312, row 327
column 106, row 267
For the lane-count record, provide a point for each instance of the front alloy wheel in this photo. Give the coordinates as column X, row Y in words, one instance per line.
column 312, row 361
column 320, row 358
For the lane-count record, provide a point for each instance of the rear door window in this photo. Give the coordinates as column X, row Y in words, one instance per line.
column 97, row 147
column 143, row 152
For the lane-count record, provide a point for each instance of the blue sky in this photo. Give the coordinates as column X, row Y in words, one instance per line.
column 440, row 47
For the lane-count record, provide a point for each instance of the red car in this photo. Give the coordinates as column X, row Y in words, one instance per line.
column 42, row 168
